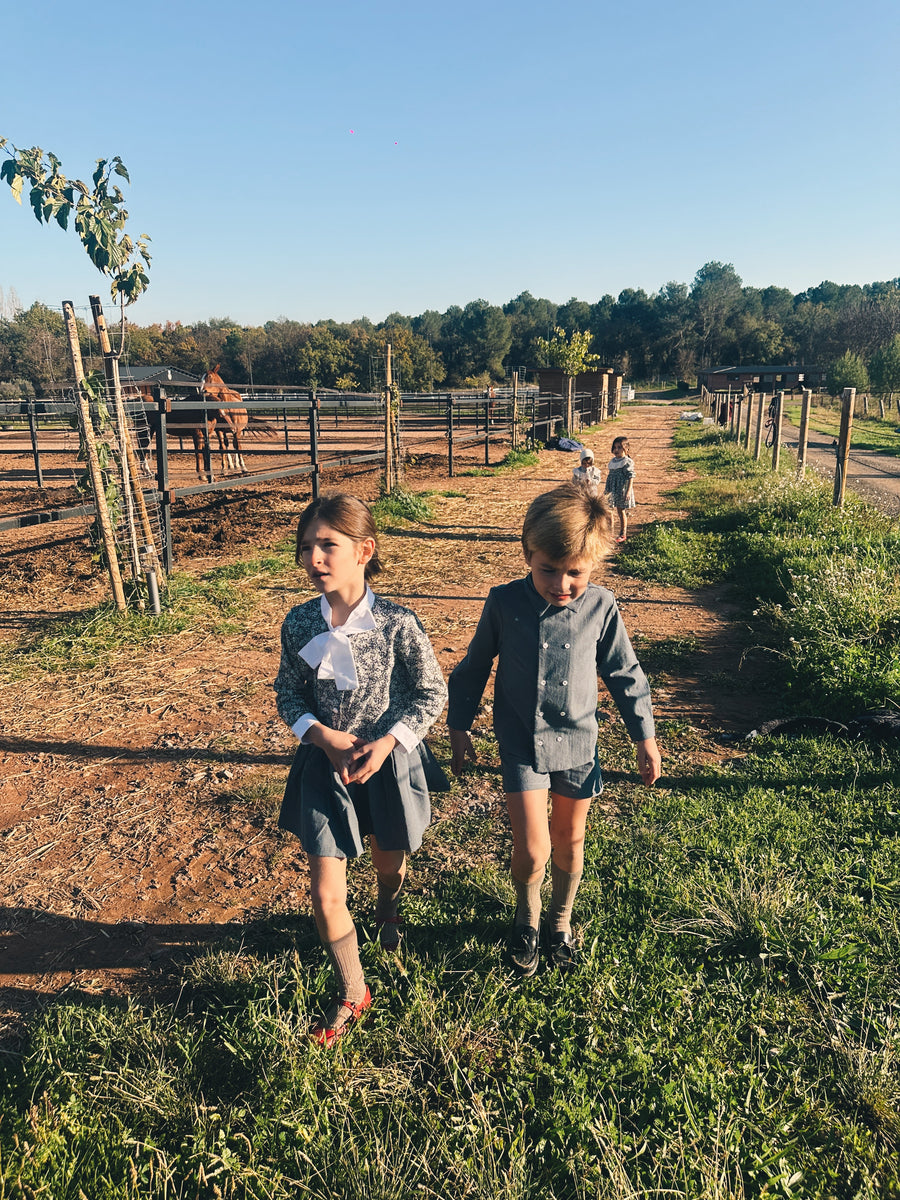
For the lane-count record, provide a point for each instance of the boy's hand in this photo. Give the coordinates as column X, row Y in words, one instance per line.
column 649, row 760
column 461, row 748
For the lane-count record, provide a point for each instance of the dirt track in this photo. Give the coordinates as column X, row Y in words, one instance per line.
column 131, row 823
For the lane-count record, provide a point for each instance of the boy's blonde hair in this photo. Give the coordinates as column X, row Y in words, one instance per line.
column 568, row 522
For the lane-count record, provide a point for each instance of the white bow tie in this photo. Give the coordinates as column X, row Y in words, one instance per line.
column 332, row 653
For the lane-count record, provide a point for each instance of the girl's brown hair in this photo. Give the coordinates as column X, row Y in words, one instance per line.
column 620, row 441
column 568, row 522
column 348, row 516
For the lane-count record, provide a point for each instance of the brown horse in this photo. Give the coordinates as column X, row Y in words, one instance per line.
column 229, row 422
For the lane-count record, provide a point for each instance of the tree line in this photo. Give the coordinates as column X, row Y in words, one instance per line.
column 714, row 321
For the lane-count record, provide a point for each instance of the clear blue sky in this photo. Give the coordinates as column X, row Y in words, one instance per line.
column 571, row 149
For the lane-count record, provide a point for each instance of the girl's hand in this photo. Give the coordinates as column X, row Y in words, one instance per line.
column 367, row 758
column 649, row 760
column 461, row 748
column 339, row 746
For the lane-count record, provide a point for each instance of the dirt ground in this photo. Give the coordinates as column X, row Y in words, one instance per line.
column 138, row 802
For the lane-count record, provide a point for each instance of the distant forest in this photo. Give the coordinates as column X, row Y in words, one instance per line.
column 670, row 334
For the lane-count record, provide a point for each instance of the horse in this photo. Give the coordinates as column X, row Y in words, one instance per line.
column 229, row 422
column 198, row 422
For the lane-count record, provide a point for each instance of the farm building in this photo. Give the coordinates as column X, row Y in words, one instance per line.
column 160, row 375
column 604, row 382
column 761, row 378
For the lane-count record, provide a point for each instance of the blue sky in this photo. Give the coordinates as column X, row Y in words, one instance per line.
column 570, row 150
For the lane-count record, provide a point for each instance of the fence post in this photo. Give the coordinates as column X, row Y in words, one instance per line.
column 487, row 434
column 166, row 496
column 881, row 406
column 804, row 432
column 450, row 434
column 848, row 403
column 314, row 442
column 747, row 421
column 760, row 403
column 98, row 484
column 514, row 430
column 776, row 431
column 35, row 452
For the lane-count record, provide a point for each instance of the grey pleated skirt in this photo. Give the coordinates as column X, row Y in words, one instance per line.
column 332, row 818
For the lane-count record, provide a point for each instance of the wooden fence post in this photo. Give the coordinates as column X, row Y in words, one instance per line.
column 747, row 420
column 98, row 485
column 804, row 432
column 776, row 430
column 848, row 403
column 760, row 404
column 166, row 496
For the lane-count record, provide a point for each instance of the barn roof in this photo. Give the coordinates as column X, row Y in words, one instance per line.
column 156, row 375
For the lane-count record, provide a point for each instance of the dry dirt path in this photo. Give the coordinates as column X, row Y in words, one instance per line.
column 137, row 799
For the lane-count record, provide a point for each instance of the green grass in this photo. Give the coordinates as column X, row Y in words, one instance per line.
column 401, row 505
column 218, row 601
column 512, row 461
column 821, row 582
column 731, row 1031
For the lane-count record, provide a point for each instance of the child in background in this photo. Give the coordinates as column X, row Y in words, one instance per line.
column 360, row 686
column 620, row 484
column 587, row 474
column 552, row 633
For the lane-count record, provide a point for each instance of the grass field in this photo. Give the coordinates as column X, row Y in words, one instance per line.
column 733, row 1028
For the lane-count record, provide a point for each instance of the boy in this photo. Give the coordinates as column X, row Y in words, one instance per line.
column 553, row 632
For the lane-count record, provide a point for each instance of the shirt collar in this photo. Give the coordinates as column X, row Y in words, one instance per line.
column 540, row 605
column 364, row 606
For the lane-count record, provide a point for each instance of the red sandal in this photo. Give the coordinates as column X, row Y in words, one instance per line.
column 327, row 1035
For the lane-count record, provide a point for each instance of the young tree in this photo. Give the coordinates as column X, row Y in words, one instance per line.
column 847, row 371
column 99, row 213
column 885, row 366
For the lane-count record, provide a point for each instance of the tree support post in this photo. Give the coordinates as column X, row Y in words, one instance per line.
column 450, row 434
column 131, row 472
column 848, row 403
column 97, row 482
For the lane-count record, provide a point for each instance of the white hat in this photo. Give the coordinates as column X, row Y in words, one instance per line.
column 587, row 454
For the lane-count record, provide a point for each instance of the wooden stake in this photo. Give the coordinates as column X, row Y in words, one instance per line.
column 804, row 432
column 848, row 403
column 757, row 448
column 131, row 474
column 90, row 441
column 776, row 444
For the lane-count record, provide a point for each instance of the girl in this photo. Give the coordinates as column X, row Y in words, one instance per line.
column 620, row 484
column 360, row 686
column 587, row 474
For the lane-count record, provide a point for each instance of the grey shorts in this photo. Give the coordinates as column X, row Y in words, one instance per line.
column 578, row 783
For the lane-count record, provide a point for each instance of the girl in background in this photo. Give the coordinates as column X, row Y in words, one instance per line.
column 620, row 484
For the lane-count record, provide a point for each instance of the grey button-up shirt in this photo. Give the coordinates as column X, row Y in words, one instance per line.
column 548, row 660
